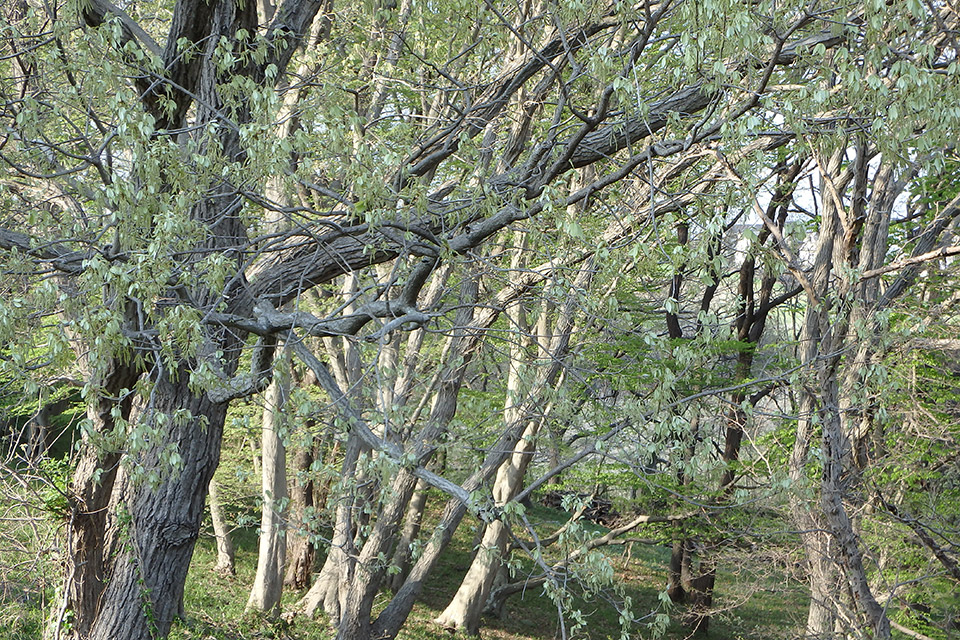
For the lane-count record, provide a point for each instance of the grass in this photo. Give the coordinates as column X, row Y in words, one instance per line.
column 760, row 595
column 757, row 600
column 30, row 572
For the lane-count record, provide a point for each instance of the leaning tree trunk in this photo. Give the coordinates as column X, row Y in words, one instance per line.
column 466, row 607
column 463, row 611
column 183, row 426
column 817, row 542
column 325, row 592
column 411, row 530
column 268, row 584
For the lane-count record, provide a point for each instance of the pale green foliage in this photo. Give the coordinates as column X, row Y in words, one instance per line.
column 94, row 171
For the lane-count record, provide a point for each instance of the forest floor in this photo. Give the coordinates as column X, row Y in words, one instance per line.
column 758, row 598
column 760, row 595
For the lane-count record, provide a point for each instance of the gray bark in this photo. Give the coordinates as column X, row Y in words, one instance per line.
column 90, row 493
column 221, row 529
column 325, row 592
column 410, row 532
column 468, row 603
column 822, row 343
column 268, row 583
column 145, row 590
column 301, row 551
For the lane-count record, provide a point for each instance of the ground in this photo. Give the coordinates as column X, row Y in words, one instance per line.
column 760, row 597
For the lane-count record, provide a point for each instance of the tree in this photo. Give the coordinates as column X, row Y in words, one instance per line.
column 265, row 595
column 146, row 150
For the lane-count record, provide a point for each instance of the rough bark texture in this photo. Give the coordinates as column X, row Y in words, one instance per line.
column 832, row 540
column 147, row 574
column 145, row 590
column 91, row 491
column 463, row 611
column 325, row 592
column 301, row 552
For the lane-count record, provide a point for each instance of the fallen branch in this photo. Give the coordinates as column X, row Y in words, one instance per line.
column 909, row 632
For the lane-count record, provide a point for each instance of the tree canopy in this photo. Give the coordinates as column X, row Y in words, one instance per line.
column 698, row 254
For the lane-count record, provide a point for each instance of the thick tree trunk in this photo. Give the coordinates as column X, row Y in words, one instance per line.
column 221, row 530
column 817, row 542
column 268, row 584
column 835, row 487
column 91, row 491
column 675, row 588
column 822, row 610
column 145, row 590
column 463, row 611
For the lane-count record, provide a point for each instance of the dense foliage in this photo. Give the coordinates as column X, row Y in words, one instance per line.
column 684, row 268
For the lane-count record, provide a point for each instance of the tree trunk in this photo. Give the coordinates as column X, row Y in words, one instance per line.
column 411, row 530
column 675, row 588
column 91, row 490
column 818, row 552
column 145, row 590
column 268, row 584
column 325, row 592
column 362, row 580
column 829, row 536
column 225, row 553
column 468, row 603
column 463, row 611
column 301, row 551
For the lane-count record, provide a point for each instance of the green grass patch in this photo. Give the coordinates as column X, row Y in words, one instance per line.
column 757, row 598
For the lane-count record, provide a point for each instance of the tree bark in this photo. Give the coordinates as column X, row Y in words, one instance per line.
column 225, row 551
column 411, row 531
column 466, row 607
column 91, row 491
column 829, row 536
column 145, row 590
column 753, row 308
column 325, row 592
column 268, row 584
column 301, row 550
